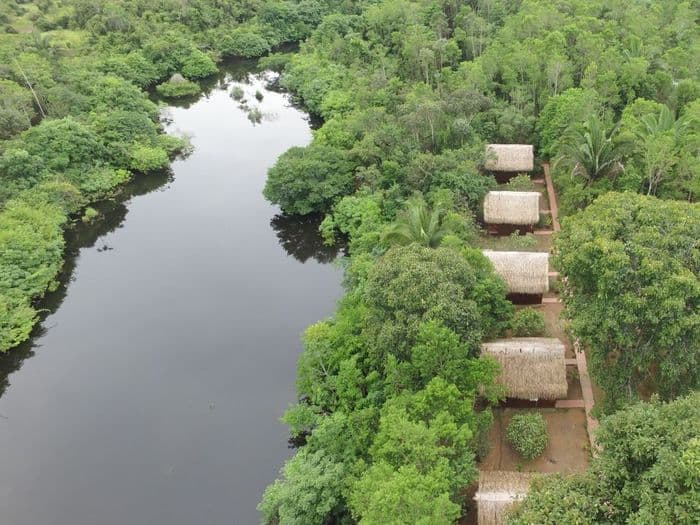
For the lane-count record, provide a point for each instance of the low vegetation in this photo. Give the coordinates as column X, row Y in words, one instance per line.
column 527, row 433
column 528, row 322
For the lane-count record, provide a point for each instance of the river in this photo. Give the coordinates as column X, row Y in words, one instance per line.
column 151, row 392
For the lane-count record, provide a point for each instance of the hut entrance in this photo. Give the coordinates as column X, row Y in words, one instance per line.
column 513, row 402
column 524, row 299
column 503, row 230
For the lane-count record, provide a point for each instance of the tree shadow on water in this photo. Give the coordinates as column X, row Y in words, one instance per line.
column 300, row 238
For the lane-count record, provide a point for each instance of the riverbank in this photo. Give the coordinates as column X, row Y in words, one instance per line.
column 153, row 389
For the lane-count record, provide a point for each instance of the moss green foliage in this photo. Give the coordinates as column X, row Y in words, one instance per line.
column 632, row 267
column 417, row 224
column 527, row 433
column 245, row 42
column 185, row 88
column 528, row 322
column 560, row 113
column 646, row 472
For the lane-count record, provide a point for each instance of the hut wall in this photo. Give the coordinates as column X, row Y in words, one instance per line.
column 510, row 158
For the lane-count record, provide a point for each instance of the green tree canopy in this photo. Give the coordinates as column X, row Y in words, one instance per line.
column 412, row 284
column 633, row 275
column 310, row 179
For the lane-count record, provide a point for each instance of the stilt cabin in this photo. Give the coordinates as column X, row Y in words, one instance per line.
column 508, row 211
column 526, row 274
column 498, row 491
column 506, row 160
column 532, row 368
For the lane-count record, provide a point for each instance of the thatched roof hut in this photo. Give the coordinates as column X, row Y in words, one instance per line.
column 512, row 207
column 498, row 490
column 509, row 157
column 531, row 367
column 523, row 272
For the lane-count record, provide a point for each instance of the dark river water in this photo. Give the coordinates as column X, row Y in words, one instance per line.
column 151, row 394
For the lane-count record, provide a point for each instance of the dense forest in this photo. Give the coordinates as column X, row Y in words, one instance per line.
column 393, row 396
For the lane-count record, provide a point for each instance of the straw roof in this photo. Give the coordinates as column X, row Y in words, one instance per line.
column 509, row 157
column 512, row 207
column 523, row 272
column 177, row 78
column 531, row 367
column 498, row 490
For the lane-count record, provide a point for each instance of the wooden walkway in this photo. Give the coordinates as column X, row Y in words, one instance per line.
column 581, row 363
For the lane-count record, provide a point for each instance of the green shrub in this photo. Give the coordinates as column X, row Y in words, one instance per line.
column 243, row 43
column 310, row 179
column 198, row 65
column 237, row 93
column 178, row 89
column 520, row 182
column 528, row 322
column 90, row 214
column 528, row 434
column 147, row 158
column 275, row 61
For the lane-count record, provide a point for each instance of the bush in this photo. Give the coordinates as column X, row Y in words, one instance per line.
column 243, row 43
column 237, row 93
column 521, row 182
column 147, row 158
column 528, row 434
column 177, row 89
column 198, row 65
column 90, row 215
column 528, row 322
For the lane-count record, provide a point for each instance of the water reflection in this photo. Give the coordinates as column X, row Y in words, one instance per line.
column 300, row 238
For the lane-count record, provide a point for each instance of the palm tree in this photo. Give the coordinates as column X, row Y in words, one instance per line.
column 659, row 136
column 591, row 151
column 417, row 224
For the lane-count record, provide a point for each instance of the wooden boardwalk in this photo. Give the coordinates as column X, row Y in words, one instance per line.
column 580, row 361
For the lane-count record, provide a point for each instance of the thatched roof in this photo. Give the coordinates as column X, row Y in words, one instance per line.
column 177, row 78
column 531, row 367
column 498, row 490
column 523, row 272
column 512, row 207
column 509, row 157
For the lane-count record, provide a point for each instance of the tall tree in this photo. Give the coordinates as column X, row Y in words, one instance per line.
column 417, row 224
column 590, row 151
column 633, row 293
